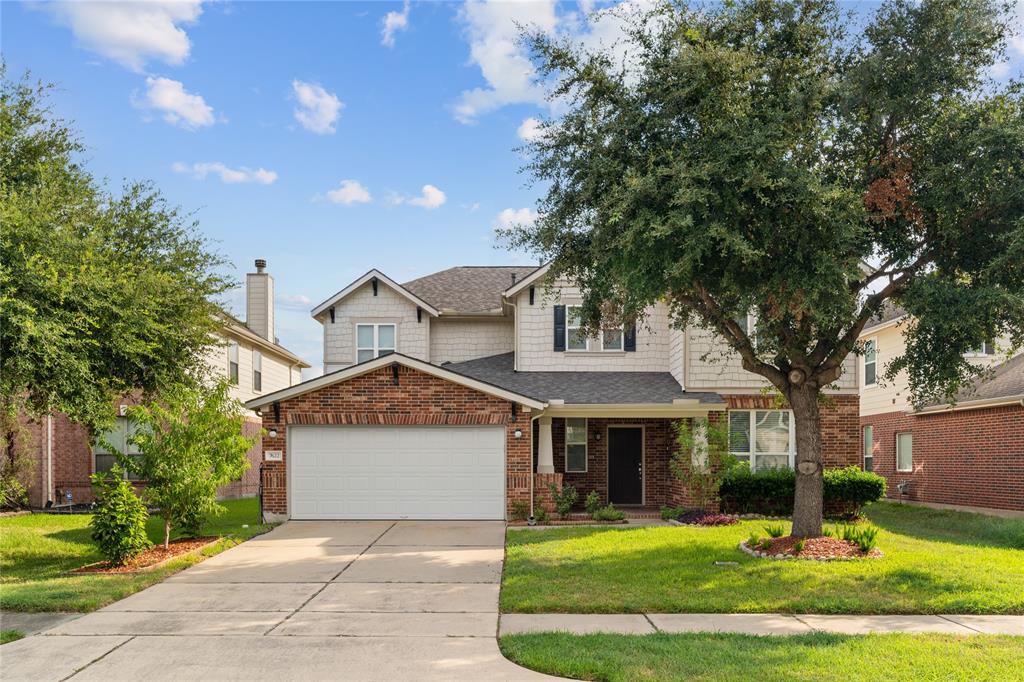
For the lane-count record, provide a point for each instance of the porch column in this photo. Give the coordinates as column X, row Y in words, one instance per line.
column 545, row 451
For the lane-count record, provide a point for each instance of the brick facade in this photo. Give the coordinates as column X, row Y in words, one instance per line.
column 418, row 399
column 972, row 458
column 73, row 462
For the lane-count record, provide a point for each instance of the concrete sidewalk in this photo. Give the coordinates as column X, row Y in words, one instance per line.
column 756, row 623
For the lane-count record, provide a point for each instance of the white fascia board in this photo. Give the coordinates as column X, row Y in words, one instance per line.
column 381, row 277
column 970, row 405
column 386, row 361
column 881, row 327
column 637, row 410
column 527, row 281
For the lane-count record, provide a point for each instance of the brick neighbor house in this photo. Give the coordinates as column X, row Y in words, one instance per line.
column 463, row 394
column 64, row 454
column 969, row 455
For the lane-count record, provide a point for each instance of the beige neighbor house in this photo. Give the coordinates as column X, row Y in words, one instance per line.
column 968, row 455
column 65, row 455
column 465, row 393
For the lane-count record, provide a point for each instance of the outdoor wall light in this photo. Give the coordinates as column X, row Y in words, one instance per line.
column 597, row 435
column 272, row 433
column 518, row 433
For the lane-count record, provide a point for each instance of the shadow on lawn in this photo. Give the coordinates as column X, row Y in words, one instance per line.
column 941, row 525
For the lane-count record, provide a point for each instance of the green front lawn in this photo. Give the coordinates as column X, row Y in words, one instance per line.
column 36, row 551
column 935, row 562
column 710, row 656
column 10, row 636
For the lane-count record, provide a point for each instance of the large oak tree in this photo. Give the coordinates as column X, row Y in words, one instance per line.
column 757, row 156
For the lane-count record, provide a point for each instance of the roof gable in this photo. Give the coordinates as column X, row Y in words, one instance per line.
column 469, row 289
column 381, row 279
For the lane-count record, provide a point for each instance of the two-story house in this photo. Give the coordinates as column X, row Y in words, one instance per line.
column 968, row 455
column 64, row 453
column 461, row 393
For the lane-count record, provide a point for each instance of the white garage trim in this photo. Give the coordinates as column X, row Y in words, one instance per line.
column 396, row 472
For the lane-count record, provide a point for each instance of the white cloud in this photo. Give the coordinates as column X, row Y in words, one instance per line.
column 294, row 301
column 180, row 107
column 529, row 130
column 1017, row 20
column 430, row 198
column 494, row 45
column 130, row 33
column 493, row 34
column 513, row 217
column 230, row 176
column 392, row 23
column 350, row 192
column 318, row 109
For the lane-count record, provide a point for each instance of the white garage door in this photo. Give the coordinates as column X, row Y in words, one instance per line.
column 397, row 472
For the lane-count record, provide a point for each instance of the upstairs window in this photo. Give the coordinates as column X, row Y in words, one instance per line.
column 374, row 340
column 257, row 371
column 986, row 348
column 576, row 445
column 762, row 438
column 233, row 362
column 575, row 339
column 870, row 363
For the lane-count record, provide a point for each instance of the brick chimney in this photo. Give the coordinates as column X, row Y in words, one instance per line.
column 259, row 301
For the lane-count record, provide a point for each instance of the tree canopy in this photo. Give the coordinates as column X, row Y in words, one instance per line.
column 759, row 156
column 99, row 294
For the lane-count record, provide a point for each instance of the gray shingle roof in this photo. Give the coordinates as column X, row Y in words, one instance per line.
column 468, row 288
column 580, row 388
column 1003, row 381
column 888, row 313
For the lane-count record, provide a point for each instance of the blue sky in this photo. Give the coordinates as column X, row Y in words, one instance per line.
column 326, row 137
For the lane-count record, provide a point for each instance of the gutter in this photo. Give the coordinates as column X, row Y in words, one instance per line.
column 972, row 405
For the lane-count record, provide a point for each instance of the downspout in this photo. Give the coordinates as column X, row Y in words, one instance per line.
column 49, row 458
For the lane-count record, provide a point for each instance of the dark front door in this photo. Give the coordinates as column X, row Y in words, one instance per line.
column 625, row 465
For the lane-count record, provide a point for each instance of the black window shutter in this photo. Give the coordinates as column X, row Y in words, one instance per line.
column 559, row 328
column 629, row 338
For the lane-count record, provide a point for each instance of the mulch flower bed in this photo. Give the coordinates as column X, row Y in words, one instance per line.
column 152, row 557
column 815, row 549
column 699, row 517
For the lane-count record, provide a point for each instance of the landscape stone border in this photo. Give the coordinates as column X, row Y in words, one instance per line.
column 875, row 554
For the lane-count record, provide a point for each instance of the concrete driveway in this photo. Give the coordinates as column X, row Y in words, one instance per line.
column 311, row 600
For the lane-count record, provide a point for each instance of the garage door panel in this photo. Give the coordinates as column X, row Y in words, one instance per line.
column 391, row 472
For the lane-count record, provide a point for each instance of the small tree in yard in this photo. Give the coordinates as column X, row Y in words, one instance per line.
column 702, row 460
column 119, row 520
column 776, row 180
column 191, row 443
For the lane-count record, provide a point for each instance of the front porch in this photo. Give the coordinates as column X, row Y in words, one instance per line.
column 624, row 459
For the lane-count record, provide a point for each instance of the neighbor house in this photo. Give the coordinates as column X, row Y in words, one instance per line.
column 465, row 393
column 969, row 454
column 64, row 454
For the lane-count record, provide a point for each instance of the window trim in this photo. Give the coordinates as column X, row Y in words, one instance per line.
column 864, row 372
column 587, row 340
column 867, row 440
column 376, row 348
column 233, row 373
column 567, row 443
column 904, row 433
column 752, row 453
column 257, row 371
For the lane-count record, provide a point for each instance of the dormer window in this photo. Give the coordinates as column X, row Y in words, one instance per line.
column 374, row 340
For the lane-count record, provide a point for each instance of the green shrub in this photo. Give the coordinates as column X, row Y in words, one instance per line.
column 754, row 539
column 520, row 510
column 798, row 546
column 867, row 538
column 671, row 513
column 770, row 491
column 564, row 499
column 608, row 513
column 593, row 502
column 540, row 515
column 775, row 530
column 119, row 519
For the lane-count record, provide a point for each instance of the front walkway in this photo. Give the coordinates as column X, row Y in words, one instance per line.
column 372, row 600
column 756, row 623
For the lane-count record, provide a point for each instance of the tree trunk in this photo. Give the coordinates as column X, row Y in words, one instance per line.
column 807, row 505
column 167, row 533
